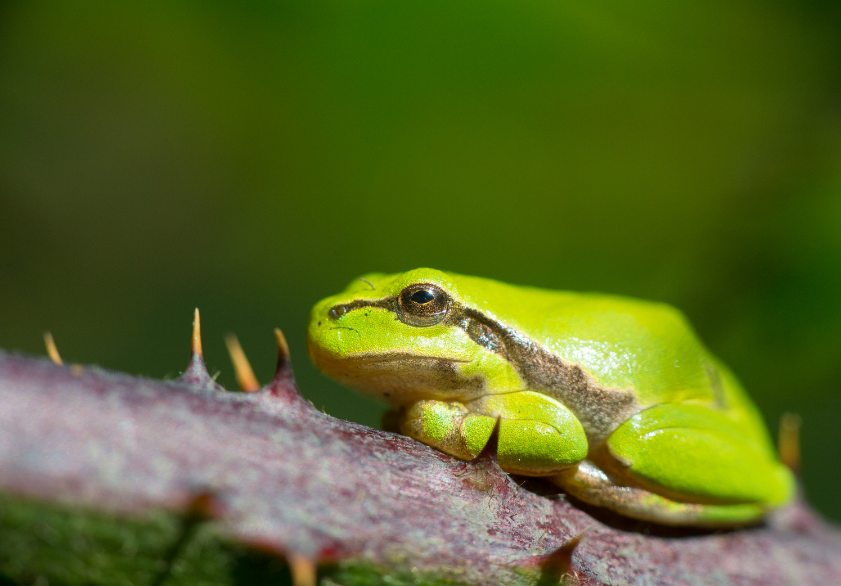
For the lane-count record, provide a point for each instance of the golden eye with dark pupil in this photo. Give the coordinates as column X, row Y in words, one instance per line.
column 423, row 304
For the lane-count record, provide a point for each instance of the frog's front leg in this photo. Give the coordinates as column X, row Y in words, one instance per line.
column 538, row 436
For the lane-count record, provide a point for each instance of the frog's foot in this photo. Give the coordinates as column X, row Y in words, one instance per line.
column 527, row 446
column 589, row 484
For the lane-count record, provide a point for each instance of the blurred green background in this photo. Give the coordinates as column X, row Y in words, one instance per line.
column 251, row 158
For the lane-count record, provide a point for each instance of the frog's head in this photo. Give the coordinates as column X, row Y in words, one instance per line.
column 409, row 336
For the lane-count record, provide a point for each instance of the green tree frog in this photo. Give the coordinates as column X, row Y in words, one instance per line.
column 613, row 399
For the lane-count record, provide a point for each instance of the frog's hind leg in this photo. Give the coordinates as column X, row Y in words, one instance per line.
column 684, row 464
column 589, row 484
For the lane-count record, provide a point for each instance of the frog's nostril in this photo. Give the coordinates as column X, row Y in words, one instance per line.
column 337, row 311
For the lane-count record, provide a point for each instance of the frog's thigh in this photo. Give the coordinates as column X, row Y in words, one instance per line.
column 694, row 454
column 589, row 484
column 526, row 446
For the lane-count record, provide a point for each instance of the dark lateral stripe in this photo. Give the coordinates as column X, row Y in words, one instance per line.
column 599, row 409
column 389, row 303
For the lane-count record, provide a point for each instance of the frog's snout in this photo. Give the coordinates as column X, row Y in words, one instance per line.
column 321, row 316
column 326, row 311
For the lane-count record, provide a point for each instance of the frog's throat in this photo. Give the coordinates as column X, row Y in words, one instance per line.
column 599, row 409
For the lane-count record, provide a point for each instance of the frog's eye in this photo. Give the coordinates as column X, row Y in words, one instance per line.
column 423, row 304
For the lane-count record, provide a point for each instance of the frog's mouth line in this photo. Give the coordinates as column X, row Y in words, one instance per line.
column 401, row 357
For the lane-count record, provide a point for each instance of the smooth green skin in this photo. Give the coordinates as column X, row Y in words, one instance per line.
column 692, row 445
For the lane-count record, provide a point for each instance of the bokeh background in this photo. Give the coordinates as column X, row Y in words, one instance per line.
column 251, row 158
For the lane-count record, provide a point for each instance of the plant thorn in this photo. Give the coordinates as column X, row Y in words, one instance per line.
column 302, row 568
column 245, row 375
column 789, row 441
column 555, row 564
column 204, row 506
column 283, row 364
column 52, row 351
column 196, row 372
column 196, row 348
